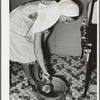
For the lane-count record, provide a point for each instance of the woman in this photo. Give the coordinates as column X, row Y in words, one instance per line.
column 28, row 24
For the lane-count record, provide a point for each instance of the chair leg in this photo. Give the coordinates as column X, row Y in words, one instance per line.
column 90, row 68
column 87, row 80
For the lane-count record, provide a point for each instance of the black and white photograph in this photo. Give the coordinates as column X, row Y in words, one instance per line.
column 53, row 50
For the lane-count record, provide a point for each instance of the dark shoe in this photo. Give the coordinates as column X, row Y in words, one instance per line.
column 33, row 86
column 36, row 81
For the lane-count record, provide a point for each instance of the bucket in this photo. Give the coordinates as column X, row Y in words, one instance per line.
column 59, row 90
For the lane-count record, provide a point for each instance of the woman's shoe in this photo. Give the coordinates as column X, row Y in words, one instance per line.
column 36, row 81
column 33, row 86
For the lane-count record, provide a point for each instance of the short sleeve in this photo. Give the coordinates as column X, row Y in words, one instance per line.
column 71, row 10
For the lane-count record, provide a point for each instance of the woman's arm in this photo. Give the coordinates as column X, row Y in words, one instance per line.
column 38, row 51
column 46, row 34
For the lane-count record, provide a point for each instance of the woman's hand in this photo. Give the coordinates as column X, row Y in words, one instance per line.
column 46, row 76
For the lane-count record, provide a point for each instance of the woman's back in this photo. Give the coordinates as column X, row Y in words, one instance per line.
column 22, row 17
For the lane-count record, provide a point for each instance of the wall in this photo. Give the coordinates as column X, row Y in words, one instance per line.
column 16, row 3
column 66, row 39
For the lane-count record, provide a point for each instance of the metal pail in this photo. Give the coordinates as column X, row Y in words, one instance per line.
column 59, row 90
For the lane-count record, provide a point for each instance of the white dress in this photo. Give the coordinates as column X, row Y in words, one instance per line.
column 21, row 20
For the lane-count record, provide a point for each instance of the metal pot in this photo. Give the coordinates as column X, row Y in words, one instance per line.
column 59, row 90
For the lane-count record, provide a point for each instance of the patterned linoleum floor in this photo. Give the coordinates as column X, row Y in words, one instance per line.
column 71, row 68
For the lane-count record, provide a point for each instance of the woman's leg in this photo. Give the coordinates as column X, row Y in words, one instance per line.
column 36, row 70
column 26, row 68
